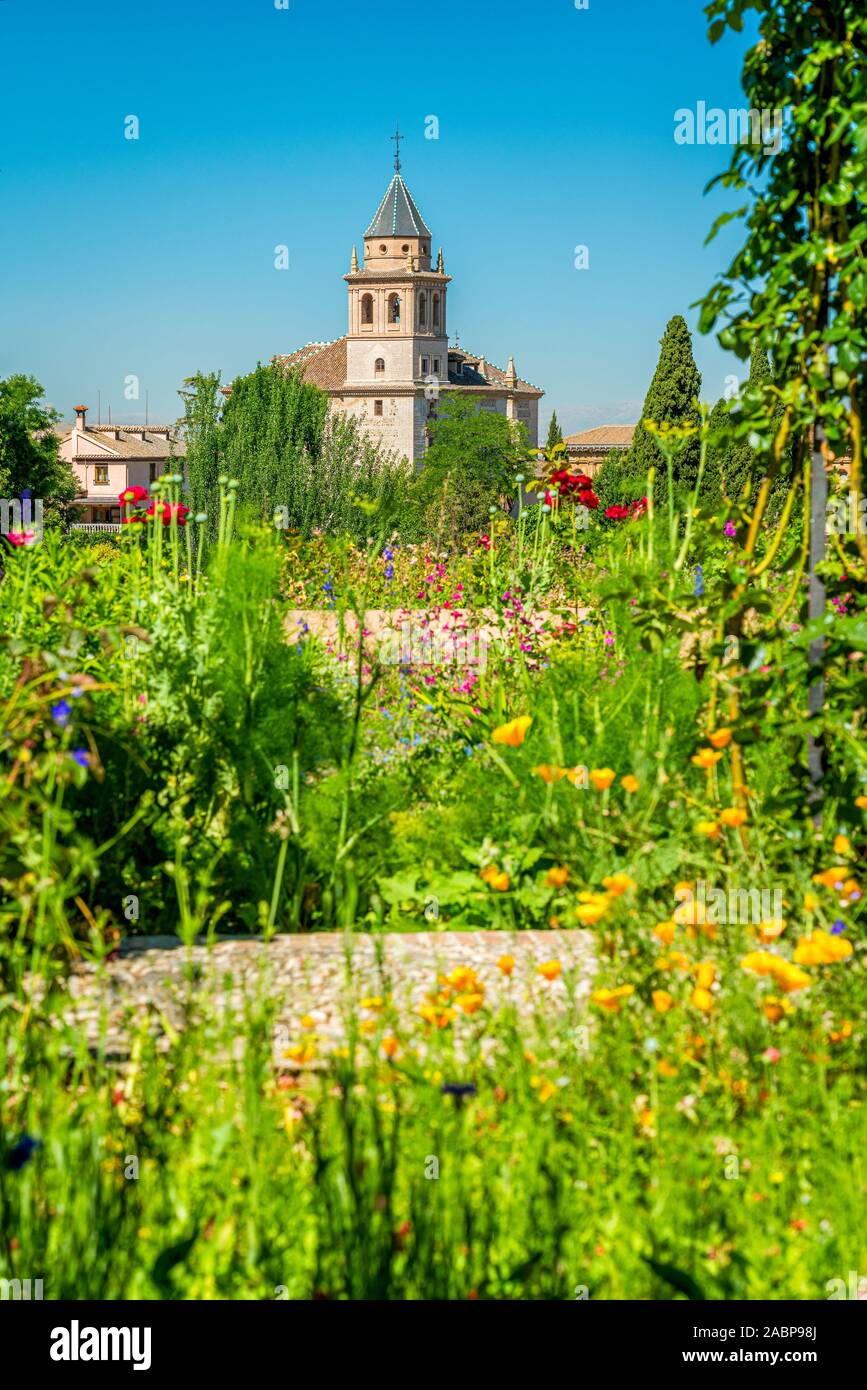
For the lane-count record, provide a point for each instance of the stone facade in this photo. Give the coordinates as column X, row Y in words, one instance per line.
column 394, row 366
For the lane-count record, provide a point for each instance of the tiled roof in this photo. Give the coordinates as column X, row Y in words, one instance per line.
column 397, row 214
column 322, row 364
column 493, row 376
column 104, row 444
column 603, row 436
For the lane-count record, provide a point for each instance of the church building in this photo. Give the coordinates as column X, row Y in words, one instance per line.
column 394, row 366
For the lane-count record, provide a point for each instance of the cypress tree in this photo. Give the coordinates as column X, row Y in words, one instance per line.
column 555, row 434
column 672, row 399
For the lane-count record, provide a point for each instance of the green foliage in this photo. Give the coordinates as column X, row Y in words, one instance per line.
column 672, row 399
column 29, row 448
column 469, row 468
column 555, row 434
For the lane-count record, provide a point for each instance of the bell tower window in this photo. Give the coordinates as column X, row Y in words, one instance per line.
column 436, row 311
column 367, row 308
column 394, row 308
column 422, row 311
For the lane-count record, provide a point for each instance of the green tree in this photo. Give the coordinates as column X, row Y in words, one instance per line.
column 672, row 399
column 469, row 467
column 732, row 462
column 29, row 444
column 272, row 419
column 203, row 403
column 555, row 434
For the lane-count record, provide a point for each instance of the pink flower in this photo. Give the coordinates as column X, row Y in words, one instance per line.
column 22, row 538
column 771, row 1054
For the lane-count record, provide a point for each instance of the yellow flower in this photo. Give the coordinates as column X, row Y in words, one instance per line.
column 710, row 828
column 495, row 878
column 463, row 977
column 303, row 1053
column 785, row 975
column 373, row 1001
column 705, row 757
column 832, row 878
column 776, row 1177
column 438, row 1018
column 629, row 783
column 842, row 845
column 513, row 733
column 664, row 931
column 470, row 1003
column 732, row 816
column 506, row 964
column 602, row 777
column 690, row 913
column 769, row 931
column 774, row 1009
column 705, row 974
column 548, row 773
column 589, row 914
column 662, row 1001
column 820, row 948
column 665, row 1068
column 811, row 902
column 556, row 877
column 390, row 1046
column 307, row 1022
column 611, row 999
column 702, row 999
column 619, row 883
column 546, row 1091
column 861, row 803
column 550, row 969
column 720, row 738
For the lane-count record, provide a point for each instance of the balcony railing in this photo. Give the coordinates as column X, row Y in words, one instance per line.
column 93, row 528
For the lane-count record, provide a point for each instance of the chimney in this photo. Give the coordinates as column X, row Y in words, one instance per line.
column 81, row 417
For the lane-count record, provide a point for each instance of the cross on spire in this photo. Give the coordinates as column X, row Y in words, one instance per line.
column 397, row 137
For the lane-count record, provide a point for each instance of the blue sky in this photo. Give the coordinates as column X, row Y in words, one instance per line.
column 261, row 126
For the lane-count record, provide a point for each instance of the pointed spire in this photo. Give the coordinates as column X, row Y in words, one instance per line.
column 440, row 266
column 353, row 264
column 511, row 374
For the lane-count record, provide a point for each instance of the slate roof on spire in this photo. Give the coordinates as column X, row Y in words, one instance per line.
column 397, row 214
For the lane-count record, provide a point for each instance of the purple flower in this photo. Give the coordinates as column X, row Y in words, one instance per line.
column 23, row 1152
column 730, row 528
column 60, row 713
column 698, row 586
column 82, row 757
column 839, row 927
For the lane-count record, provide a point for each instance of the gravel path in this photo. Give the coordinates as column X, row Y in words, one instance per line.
column 308, row 975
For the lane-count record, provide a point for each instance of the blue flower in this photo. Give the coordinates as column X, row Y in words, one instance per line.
column 698, row 586
column 23, row 1152
column 60, row 713
column 82, row 757
column 839, row 927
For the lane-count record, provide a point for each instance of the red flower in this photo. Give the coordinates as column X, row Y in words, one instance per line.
column 616, row 513
column 132, row 517
column 166, row 510
column 133, row 495
column 589, row 499
column 638, row 506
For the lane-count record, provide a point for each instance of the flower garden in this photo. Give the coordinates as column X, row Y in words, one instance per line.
column 616, row 733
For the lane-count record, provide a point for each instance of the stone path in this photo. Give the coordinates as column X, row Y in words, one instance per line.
column 308, row 974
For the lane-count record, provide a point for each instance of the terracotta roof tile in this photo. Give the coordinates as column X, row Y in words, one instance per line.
column 605, row 436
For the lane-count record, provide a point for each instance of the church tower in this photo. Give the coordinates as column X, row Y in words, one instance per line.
column 398, row 340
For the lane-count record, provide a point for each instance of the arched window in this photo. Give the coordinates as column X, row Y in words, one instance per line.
column 379, row 367
column 367, row 308
column 394, row 308
column 436, row 311
column 422, row 310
